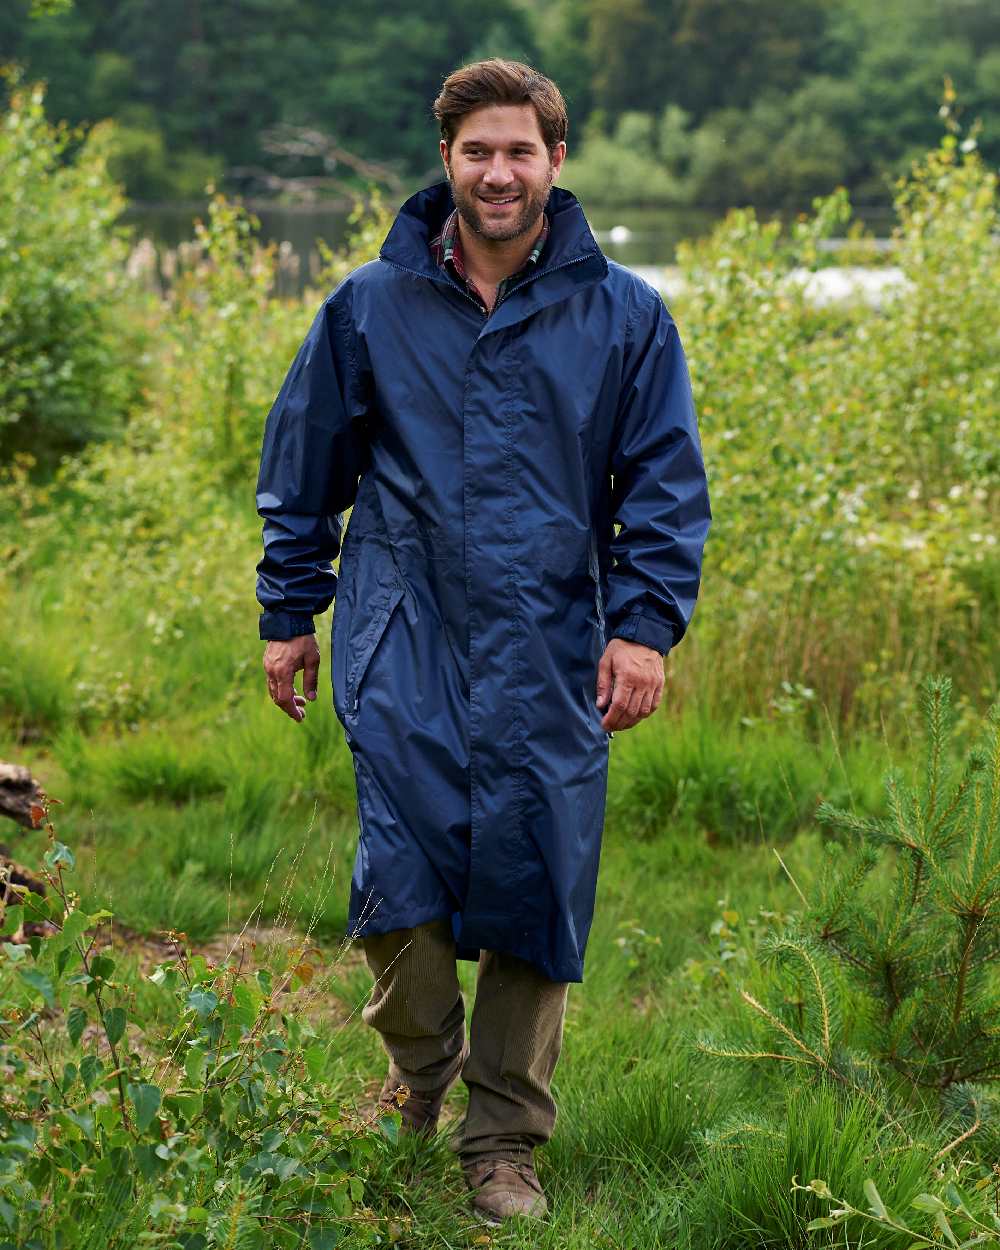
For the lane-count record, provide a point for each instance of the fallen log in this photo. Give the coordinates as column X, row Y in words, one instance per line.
column 20, row 801
column 20, row 795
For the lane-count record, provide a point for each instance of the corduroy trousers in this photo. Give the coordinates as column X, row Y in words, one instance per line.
column 516, row 1033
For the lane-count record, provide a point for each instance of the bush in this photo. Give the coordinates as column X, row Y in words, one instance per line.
column 186, row 1107
column 69, row 355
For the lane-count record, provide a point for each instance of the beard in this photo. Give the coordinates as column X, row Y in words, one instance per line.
column 532, row 204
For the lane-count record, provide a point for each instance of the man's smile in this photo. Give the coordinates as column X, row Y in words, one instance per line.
column 499, row 201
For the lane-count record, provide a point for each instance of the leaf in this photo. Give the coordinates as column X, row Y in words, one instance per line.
column 74, row 926
column 90, row 1070
column 194, row 1065
column 101, row 967
column 12, row 920
column 114, row 1024
column 40, row 983
column 84, row 1121
column 927, row 1202
column 324, row 1238
column 877, row 1205
column 146, row 1099
column 942, row 1222
column 823, row 1221
column 76, row 1022
column 60, row 854
column 203, row 1001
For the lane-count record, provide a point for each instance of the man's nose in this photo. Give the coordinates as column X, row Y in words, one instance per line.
column 498, row 174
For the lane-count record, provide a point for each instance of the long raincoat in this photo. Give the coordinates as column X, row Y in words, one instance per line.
column 525, row 485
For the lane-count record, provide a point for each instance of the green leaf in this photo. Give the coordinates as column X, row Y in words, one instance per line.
column 114, row 1024
column 60, row 854
column 90, row 1070
column 40, row 983
column 942, row 1222
column 194, row 1065
column 146, row 1099
column 823, row 1221
column 872, row 1194
column 74, row 926
column 76, row 1022
column 203, row 1001
column 12, row 919
column 84, row 1121
column 324, row 1238
column 102, row 966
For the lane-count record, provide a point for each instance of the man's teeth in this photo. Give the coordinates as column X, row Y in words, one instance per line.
column 506, row 200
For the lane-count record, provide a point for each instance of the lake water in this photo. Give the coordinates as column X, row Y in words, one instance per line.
column 641, row 238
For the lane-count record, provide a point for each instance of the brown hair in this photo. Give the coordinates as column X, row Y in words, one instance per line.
column 497, row 81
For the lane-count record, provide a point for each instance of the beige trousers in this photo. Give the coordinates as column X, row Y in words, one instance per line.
column 416, row 1006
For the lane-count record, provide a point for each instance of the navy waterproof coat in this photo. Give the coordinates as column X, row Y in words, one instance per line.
column 525, row 484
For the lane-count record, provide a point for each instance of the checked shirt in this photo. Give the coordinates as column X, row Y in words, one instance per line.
column 446, row 247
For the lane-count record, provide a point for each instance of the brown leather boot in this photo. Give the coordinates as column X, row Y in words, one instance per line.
column 419, row 1109
column 502, row 1188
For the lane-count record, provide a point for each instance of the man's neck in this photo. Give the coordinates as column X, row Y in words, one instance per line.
column 492, row 260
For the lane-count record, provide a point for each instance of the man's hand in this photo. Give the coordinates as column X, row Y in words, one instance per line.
column 282, row 660
column 631, row 676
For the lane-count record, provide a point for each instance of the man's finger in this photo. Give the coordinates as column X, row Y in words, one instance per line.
column 645, row 704
column 284, row 696
column 617, row 712
column 604, row 680
column 310, row 675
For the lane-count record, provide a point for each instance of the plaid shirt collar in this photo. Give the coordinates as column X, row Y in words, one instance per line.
column 446, row 248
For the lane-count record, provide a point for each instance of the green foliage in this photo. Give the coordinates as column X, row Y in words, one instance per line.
column 851, row 450
column 782, row 100
column 212, row 1129
column 748, row 1192
column 67, row 349
column 884, row 980
column 957, row 1213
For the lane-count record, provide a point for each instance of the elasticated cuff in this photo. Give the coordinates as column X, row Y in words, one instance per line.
column 647, row 630
column 280, row 626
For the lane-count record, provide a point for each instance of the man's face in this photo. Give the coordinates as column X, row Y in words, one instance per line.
column 500, row 170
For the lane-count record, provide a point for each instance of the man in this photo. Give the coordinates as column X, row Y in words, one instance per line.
column 493, row 397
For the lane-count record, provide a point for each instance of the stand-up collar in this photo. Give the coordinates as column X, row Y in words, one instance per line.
column 421, row 217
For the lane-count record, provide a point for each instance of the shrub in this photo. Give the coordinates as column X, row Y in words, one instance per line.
column 206, row 1122
column 69, row 353
column 884, row 982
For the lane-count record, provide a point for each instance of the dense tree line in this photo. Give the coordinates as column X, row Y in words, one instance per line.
column 706, row 101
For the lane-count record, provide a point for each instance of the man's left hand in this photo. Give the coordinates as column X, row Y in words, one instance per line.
column 631, row 676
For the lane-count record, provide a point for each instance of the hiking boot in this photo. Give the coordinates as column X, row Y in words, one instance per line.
column 418, row 1108
column 502, row 1188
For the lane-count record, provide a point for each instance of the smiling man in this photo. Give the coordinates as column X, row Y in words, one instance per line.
column 509, row 416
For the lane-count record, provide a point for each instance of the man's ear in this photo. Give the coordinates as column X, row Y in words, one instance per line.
column 557, row 158
column 443, row 148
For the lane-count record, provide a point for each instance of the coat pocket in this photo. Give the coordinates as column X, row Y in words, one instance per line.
column 362, row 650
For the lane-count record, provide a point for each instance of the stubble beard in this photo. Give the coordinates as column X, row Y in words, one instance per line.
column 502, row 232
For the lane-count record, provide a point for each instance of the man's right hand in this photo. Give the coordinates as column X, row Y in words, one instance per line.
column 282, row 660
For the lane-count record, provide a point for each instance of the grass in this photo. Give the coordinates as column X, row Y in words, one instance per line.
column 198, row 828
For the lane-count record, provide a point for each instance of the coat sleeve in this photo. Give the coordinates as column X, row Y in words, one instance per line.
column 314, row 450
column 659, row 491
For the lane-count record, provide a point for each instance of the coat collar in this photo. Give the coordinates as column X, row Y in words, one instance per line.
column 570, row 243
